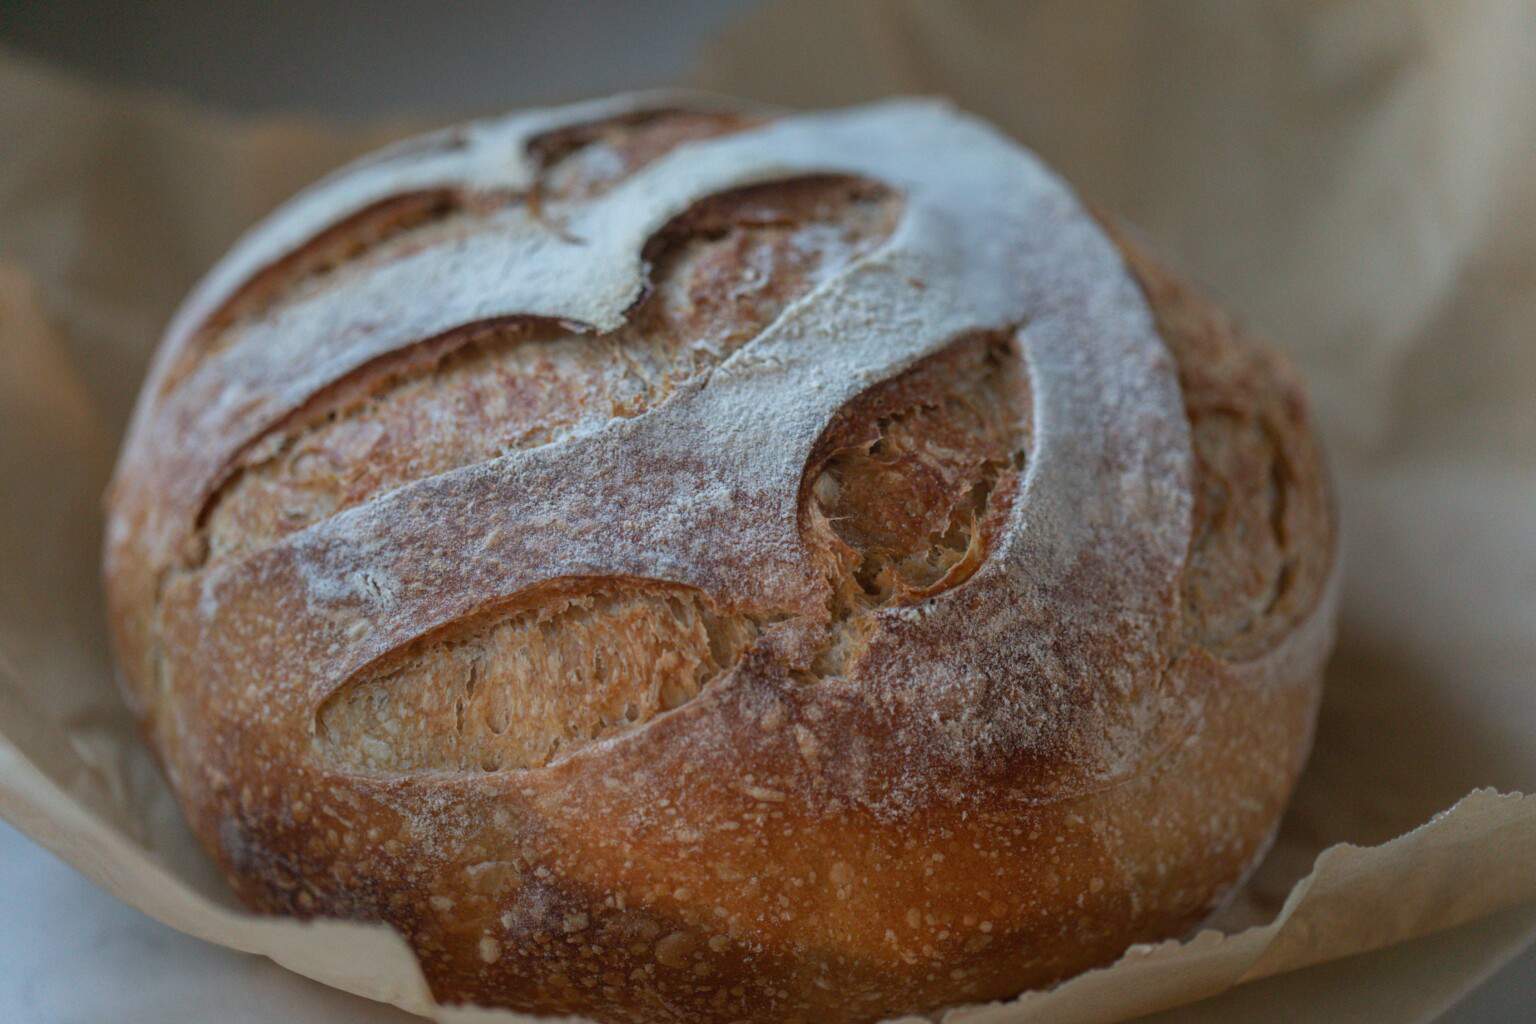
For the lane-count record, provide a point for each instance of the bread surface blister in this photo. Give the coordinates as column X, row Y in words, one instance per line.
column 680, row 561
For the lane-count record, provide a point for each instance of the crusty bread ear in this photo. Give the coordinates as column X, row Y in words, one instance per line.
column 675, row 560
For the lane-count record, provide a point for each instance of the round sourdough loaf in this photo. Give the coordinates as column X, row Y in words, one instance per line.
column 678, row 561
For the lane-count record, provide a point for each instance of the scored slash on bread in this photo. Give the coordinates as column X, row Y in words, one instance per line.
column 679, row 561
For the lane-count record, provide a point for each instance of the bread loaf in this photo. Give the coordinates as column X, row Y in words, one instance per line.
column 676, row 561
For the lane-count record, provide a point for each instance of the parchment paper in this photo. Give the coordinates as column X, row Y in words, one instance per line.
column 1357, row 178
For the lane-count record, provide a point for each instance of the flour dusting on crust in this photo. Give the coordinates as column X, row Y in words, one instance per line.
column 822, row 651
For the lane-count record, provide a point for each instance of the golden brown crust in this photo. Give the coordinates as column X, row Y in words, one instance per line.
column 1262, row 544
column 776, row 788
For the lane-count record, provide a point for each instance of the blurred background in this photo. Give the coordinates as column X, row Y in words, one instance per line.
column 385, row 58
column 1221, row 114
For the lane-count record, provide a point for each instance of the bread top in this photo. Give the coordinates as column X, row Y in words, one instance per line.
column 889, row 499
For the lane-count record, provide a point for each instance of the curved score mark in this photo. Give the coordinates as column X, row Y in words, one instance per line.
column 575, row 162
column 583, row 161
column 364, row 231
column 914, row 476
column 577, row 660
column 1253, row 572
column 902, row 497
column 721, row 273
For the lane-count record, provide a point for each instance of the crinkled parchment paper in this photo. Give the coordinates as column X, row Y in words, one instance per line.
column 1358, row 178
